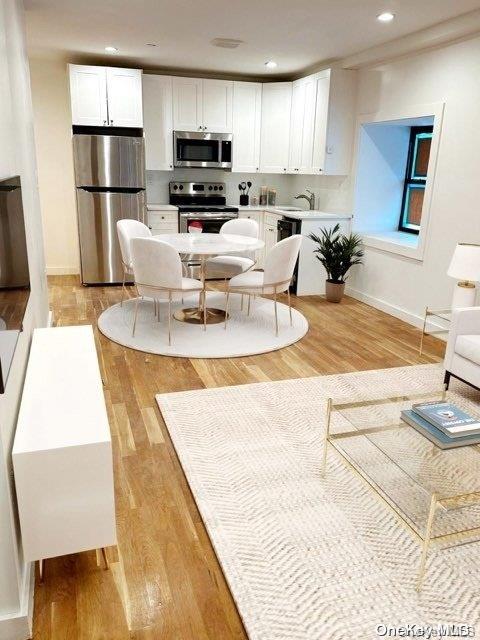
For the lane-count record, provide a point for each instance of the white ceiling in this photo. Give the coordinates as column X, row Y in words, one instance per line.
column 297, row 34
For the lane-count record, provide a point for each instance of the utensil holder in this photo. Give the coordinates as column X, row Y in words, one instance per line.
column 244, row 200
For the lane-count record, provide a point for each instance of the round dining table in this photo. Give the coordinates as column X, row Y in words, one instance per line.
column 200, row 247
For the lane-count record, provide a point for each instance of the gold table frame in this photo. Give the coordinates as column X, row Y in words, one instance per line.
column 437, row 502
column 436, row 313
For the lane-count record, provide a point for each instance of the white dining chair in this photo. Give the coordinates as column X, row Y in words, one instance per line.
column 157, row 269
column 274, row 279
column 126, row 230
column 231, row 265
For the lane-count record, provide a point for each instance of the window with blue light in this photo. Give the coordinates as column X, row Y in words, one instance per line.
column 415, row 179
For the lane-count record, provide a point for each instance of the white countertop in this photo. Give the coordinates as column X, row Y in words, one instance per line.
column 161, row 207
column 314, row 215
column 317, row 214
column 62, row 371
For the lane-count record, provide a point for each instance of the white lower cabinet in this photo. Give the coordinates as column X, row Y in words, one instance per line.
column 158, row 122
column 253, row 215
column 270, row 236
column 162, row 222
column 62, row 453
column 275, row 128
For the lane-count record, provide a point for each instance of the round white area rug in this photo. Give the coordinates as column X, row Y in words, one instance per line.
column 244, row 336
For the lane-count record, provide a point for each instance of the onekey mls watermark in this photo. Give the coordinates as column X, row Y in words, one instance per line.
column 425, row 631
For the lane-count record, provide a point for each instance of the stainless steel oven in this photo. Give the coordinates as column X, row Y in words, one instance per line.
column 202, row 208
column 202, row 150
column 205, row 222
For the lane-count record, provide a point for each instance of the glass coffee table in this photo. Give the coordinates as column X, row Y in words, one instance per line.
column 434, row 492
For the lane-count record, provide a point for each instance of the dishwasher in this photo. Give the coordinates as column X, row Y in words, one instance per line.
column 287, row 227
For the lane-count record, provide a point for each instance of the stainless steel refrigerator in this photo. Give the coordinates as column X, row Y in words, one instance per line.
column 110, row 185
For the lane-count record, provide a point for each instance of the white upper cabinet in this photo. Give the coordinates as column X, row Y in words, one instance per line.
column 217, row 106
column 247, row 105
column 124, row 93
column 202, row 105
column 334, row 122
column 275, row 128
column 302, row 125
column 187, row 104
column 106, row 96
column 158, row 122
column 88, row 92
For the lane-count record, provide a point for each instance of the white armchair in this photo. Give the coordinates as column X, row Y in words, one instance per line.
column 462, row 357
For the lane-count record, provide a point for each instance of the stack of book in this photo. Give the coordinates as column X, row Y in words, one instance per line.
column 444, row 424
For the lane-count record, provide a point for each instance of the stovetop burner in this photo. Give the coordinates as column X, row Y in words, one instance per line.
column 207, row 208
column 200, row 197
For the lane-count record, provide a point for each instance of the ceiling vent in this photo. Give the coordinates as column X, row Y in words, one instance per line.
column 226, row 43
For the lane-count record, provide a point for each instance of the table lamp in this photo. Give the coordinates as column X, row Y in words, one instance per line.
column 465, row 267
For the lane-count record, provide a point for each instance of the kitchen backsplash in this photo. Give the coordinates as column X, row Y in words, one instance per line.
column 332, row 192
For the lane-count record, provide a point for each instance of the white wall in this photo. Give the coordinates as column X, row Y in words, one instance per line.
column 401, row 285
column 53, row 127
column 17, row 156
column 157, row 183
column 382, row 160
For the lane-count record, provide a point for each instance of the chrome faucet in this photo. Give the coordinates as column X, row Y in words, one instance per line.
column 310, row 199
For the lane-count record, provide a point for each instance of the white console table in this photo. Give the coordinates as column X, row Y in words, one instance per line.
column 62, row 453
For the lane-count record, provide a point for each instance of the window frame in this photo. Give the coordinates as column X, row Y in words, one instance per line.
column 409, row 181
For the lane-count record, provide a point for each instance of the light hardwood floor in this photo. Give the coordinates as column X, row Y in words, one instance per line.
column 165, row 582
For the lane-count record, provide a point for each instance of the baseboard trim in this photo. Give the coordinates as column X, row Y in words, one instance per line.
column 19, row 625
column 62, row 271
column 393, row 310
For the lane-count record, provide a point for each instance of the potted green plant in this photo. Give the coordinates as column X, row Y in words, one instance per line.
column 337, row 252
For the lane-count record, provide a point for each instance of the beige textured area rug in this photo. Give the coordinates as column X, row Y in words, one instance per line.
column 307, row 557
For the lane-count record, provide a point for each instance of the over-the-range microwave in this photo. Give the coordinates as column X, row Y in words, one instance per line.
column 202, row 150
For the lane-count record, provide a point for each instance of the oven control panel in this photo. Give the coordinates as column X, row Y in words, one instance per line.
column 197, row 188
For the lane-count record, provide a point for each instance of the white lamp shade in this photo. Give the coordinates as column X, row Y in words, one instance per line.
column 465, row 264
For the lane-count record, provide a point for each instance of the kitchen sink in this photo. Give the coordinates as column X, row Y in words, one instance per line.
column 289, row 208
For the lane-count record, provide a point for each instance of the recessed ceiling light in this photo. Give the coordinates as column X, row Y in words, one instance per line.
column 387, row 16
column 271, row 64
column 111, row 49
column 226, row 43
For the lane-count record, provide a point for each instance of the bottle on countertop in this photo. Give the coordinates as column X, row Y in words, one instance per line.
column 263, row 196
column 272, row 197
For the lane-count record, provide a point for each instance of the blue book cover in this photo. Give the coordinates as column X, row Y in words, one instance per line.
column 437, row 436
column 447, row 417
